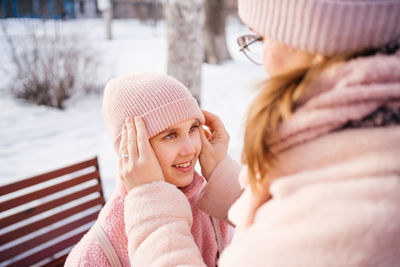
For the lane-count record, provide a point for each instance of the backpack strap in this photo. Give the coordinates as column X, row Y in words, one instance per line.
column 106, row 245
column 218, row 234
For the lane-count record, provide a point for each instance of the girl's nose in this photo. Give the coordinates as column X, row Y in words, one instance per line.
column 187, row 147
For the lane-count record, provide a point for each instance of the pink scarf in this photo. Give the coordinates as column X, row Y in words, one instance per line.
column 345, row 92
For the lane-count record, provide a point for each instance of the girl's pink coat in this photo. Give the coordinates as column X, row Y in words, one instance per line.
column 89, row 253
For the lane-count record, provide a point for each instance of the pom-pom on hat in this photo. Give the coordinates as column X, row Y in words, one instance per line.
column 160, row 100
column 326, row 27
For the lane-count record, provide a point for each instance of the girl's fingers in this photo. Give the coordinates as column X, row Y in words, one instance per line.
column 203, row 137
column 207, row 133
column 143, row 137
column 213, row 121
column 132, row 140
column 122, row 147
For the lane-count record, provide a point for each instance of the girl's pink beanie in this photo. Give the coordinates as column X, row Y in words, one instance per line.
column 160, row 100
column 327, row 27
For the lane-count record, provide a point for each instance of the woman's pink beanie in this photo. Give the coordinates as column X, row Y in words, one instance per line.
column 160, row 100
column 327, row 27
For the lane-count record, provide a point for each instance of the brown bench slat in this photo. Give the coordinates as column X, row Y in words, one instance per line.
column 38, row 240
column 88, row 171
column 9, row 188
column 59, row 262
column 49, row 251
column 15, row 234
column 15, row 202
column 23, row 215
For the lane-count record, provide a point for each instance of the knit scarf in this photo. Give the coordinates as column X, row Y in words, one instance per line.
column 344, row 93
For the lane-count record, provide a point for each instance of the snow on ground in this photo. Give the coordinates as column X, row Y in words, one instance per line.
column 36, row 139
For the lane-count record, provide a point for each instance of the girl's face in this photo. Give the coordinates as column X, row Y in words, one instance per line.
column 280, row 58
column 177, row 149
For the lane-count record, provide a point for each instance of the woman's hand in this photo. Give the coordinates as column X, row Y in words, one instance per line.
column 215, row 141
column 137, row 164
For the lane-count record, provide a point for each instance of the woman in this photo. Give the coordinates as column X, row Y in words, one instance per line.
column 322, row 140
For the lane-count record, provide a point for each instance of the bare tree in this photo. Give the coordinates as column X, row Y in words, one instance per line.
column 49, row 64
column 215, row 48
column 185, row 24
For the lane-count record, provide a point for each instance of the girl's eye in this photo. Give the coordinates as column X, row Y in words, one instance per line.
column 194, row 127
column 170, row 136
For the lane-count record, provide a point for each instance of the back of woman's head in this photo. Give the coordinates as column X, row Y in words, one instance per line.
column 337, row 30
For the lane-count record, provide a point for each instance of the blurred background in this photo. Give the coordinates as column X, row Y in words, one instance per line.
column 57, row 55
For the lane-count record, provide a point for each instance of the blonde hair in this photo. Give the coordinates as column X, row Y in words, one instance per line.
column 275, row 103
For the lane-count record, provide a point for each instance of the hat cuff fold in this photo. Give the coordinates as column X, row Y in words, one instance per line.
column 324, row 27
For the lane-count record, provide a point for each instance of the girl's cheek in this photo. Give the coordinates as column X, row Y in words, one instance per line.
column 198, row 143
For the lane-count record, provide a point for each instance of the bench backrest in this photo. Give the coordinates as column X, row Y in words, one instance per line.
column 42, row 217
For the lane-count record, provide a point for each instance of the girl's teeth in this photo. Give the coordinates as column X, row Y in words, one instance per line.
column 184, row 165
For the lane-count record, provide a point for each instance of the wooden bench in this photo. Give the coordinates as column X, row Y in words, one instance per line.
column 42, row 217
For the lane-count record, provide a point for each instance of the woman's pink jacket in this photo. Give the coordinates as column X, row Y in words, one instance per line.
column 111, row 219
column 335, row 192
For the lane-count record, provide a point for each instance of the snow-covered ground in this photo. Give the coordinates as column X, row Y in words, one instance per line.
column 36, row 139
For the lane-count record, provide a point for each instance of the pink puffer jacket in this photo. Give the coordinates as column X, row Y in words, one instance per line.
column 111, row 219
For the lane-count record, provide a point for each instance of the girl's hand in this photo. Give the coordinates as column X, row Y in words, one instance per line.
column 137, row 164
column 215, row 141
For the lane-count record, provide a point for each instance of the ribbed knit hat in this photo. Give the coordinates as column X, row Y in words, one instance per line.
column 160, row 100
column 327, row 27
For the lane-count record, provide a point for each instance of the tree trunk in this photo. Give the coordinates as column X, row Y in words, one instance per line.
column 215, row 48
column 185, row 24
column 107, row 16
column 105, row 6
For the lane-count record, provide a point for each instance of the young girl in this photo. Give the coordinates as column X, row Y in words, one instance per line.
column 171, row 120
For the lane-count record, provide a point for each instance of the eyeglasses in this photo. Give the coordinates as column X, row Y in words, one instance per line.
column 255, row 54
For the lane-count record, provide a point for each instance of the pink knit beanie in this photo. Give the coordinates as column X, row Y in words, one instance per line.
column 327, row 27
column 160, row 100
